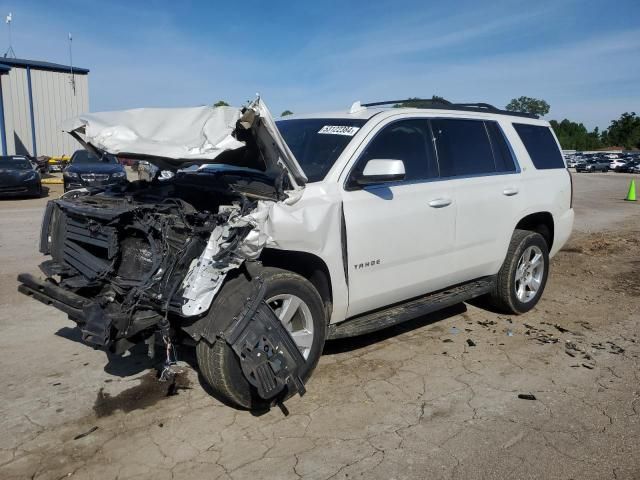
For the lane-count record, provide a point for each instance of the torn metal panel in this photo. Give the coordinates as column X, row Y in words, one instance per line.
column 208, row 271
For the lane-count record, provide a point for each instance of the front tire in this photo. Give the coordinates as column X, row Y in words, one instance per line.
column 298, row 305
column 523, row 276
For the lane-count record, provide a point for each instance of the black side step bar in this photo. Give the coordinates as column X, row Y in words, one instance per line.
column 402, row 312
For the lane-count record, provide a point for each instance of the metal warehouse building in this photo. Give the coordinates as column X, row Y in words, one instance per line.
column 35, row 97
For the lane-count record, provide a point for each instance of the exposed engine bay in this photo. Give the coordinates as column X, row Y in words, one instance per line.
column 153, row 249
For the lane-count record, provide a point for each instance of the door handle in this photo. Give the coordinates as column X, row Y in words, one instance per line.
column 510, row 191
column 440, row 202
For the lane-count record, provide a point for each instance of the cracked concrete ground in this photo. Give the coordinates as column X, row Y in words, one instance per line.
column 415, row 401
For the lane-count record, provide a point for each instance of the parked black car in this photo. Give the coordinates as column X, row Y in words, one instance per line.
column 594, row 165
column 18, row 177
column 87, row 170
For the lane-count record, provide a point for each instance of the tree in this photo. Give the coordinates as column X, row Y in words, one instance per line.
column 574, row 136
column 625, row 131
column 415, row 102
column 221, row 103
column 286, row 112
column 530, row 105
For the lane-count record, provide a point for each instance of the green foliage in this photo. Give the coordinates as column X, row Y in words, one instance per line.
column 415, row 102
column 530, row 105
column 623, row 132
column 221, row 103
column 286, row 112
column 575, row 136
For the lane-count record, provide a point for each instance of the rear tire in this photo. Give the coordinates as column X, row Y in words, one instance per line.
column 218, row 363
column 523, row 276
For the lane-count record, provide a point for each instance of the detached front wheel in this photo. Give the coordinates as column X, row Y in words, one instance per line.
column 523, row 276
column 297, row 304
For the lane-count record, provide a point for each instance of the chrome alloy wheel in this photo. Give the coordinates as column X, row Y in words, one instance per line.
column 295, row 315
column 529, row 274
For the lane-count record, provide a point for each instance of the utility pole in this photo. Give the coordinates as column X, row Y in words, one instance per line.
column 73, row 78
column 9, row 53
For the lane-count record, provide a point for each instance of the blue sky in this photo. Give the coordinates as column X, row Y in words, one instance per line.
column 583, row 57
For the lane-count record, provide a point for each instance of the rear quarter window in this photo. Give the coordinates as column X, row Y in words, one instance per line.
column 541, row 146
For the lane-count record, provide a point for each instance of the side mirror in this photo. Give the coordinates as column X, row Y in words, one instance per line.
column 381, row 170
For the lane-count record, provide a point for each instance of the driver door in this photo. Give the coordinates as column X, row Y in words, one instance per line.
column 400, row 235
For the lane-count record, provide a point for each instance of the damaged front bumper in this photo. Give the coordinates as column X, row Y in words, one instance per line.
column 269, row 358
column 96, row 323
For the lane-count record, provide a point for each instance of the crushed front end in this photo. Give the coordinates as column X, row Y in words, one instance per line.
column 124, row 261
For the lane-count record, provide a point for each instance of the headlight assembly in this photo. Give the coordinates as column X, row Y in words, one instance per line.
column 70, row 174
column 119, row 175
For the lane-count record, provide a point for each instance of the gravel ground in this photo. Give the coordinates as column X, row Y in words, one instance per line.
column 415, row 401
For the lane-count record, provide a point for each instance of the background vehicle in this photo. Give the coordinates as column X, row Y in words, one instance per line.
column 627, row 167
column 617, row 163
column 593, row 165
column 41, row 164
column 343, row 197
column 57, row 164
column 18, row 177
column 87, row 170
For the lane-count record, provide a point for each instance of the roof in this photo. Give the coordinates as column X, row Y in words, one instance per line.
column 366, row 113
column 6, row 64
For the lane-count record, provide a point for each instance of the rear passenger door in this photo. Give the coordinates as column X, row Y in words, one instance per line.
column 474, row 157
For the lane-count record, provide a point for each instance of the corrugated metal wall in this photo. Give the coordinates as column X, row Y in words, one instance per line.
column 53, row 102
column 17, row 120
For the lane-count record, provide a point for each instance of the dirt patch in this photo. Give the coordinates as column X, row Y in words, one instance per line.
column 603, row 244
column 147, row 393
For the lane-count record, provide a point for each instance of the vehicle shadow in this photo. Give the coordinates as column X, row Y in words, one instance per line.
column 350, row 344
column 135, row 361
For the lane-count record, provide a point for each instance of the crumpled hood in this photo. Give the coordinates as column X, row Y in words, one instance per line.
column 179, row 137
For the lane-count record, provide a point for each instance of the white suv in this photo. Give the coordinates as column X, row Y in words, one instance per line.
column 377, row 215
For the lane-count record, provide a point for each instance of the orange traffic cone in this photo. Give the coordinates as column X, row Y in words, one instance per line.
column 631, row 196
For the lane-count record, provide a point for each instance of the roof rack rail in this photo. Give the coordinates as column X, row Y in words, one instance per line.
column 446, row 105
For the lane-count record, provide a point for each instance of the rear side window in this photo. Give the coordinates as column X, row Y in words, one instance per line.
column 463, row 147
column 540, row 145
column 501, row 151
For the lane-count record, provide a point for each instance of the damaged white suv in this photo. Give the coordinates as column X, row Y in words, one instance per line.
column 267, row 240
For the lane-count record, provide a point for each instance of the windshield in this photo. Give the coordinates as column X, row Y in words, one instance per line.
column 84, row 156
column 318, row 142
column 15, row 163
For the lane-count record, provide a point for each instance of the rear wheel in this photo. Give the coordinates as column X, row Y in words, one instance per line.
column 523, row 276
column 295, row 302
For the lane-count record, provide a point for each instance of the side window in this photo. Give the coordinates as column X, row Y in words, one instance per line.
column 542, row 147
column 463, row 147
column 501, row 152
column 406, row 140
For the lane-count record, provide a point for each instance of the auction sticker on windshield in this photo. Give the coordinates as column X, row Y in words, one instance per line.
column 339, row 130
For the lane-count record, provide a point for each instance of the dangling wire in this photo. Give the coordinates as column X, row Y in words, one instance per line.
column 171, row 359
